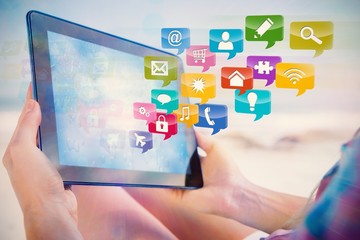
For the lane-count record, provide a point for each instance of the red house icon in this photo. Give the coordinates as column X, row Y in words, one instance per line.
column 236, row 79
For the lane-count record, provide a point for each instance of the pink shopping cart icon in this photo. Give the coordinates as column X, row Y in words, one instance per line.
column 199, row 55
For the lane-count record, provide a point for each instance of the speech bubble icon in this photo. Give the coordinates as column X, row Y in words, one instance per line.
column 161, row 68
column 256, row 102
column 144, row 111
column 263, row 67
column 237, row 78
column 164, row 124
column 198, row 85
column 175, row 38
column 300, row 76
column 141, row 139
column 213, row 116
column 227, row 40
column 316, row 36
column 200, row 55
column 269, row 28
column 187, row 114
column 165, row 99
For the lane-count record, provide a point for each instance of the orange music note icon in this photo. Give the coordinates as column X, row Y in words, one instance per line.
column 187, row 115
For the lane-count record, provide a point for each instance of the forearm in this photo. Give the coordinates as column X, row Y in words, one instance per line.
column 184, row 219
column 55, row 223
column 262, row 208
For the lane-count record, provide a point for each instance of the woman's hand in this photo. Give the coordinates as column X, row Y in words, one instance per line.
column 221, row 176
column 50, row 211
column 227, row 193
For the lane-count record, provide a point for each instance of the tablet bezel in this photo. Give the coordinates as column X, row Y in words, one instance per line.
column 38, row 25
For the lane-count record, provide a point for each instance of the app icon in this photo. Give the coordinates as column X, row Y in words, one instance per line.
column 160, row 68
column 112, row 140
column 92, row 119
column 237, row 78
column 300, row 76
column 141, row 139
column 213, row 116
column 101, row 67
column 198, row 85
column 112, row 107
column 165, row 99
column 264, row 67
column 188, row 114
column 164, row 124
column 227, row 40
column 175, row 38
column 200, row 55
column 256, row 102
column 316, row 36
column 144, row 111
column 268, row 28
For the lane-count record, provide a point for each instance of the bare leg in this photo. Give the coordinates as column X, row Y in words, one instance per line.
column 184, row 222
column 111, row 213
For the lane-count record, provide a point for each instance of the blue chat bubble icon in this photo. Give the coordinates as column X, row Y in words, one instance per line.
column 227, row 40
column 141, row 139
column 175, row 38
column 256, row 102
column 165, row 99
column 213, row 116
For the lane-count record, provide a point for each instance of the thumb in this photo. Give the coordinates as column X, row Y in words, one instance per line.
column 29, row 121
column 205, row 143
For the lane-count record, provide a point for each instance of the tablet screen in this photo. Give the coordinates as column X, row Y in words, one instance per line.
column 88, row 109
column 94, row 109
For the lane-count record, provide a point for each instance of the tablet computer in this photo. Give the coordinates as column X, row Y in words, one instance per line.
column 91, row 87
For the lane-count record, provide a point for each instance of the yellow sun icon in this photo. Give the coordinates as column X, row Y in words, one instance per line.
column 198, row 85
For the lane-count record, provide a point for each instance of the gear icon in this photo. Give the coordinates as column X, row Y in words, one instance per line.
column 142, row 110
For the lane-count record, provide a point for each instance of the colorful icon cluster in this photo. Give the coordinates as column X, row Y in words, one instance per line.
column 298, row 76
column 314, row 35
column 205, row 115
column 201, row 85
column 303, row 35
column 193, row 85
column 164, row 113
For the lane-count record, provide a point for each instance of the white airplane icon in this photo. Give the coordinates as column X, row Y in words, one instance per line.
column 139, row 140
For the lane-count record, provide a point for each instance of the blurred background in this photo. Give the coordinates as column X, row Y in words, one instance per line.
column 288, row 150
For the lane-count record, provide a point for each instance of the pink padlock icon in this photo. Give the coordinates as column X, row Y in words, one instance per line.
column 161, row 124
column 164, row 124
